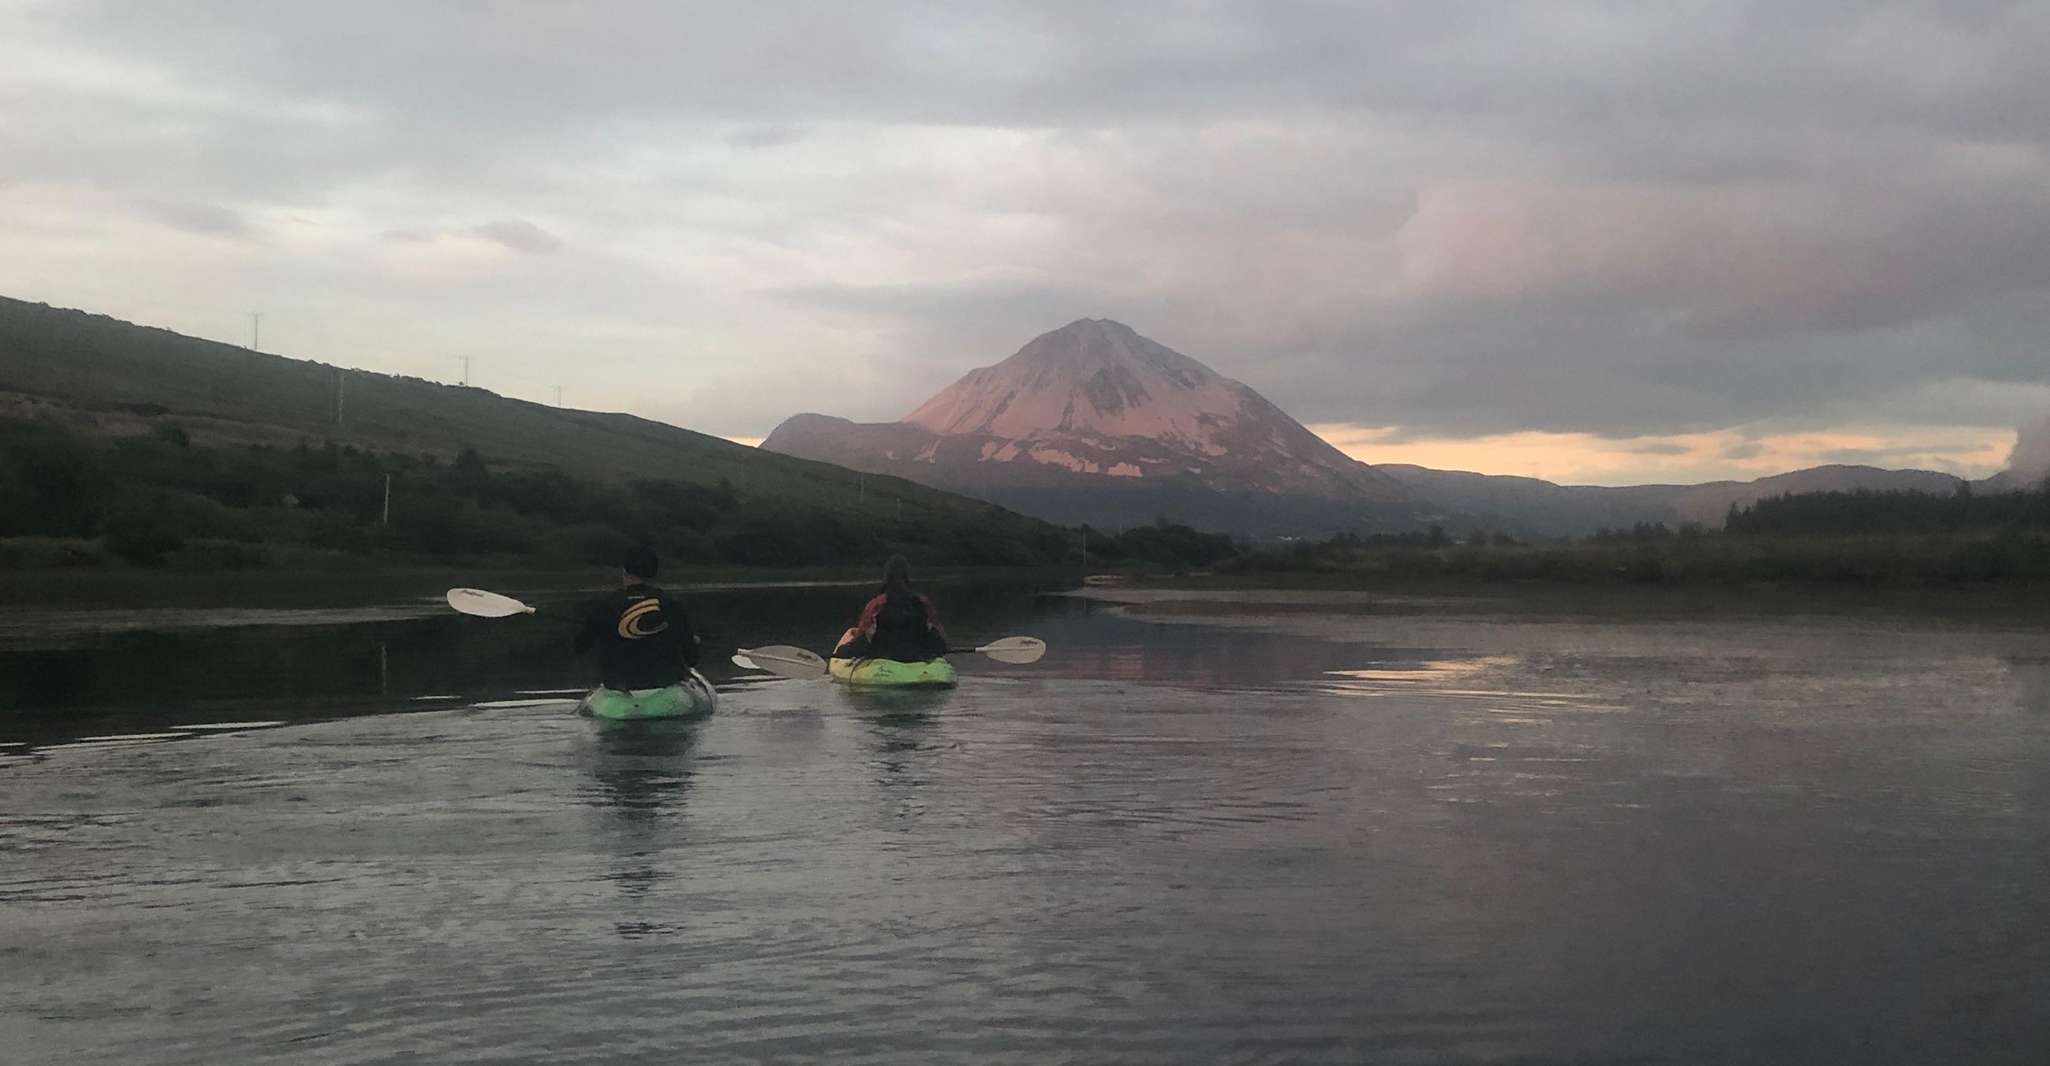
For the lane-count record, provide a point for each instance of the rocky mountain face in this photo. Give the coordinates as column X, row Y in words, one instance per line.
column 1093, row 422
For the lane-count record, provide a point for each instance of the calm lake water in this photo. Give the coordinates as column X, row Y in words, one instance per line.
column 1253, row 828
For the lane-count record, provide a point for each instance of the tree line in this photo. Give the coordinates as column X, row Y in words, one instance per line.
column 161, row 498
column 1867, row 511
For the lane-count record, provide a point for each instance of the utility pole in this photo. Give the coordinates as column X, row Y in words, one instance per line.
column 900, row 508
column 466, row 371
column 339, row 380
column 860, row 488
column 558, row 396
column 386, row 520
column 256, row 331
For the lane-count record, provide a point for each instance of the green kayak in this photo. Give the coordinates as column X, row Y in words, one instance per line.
column 692, row 697
column 890, row 673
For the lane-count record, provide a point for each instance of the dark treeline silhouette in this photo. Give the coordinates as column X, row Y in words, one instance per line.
column 1162, row 545
column 1865, row 511
column 1835, row 538
column 158, row 498
column 1645, row 531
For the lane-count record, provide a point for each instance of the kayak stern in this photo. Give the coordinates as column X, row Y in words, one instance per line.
column 891, row 673
column 693, row 697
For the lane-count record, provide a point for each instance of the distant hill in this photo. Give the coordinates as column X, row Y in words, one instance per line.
column 107, row 378
column 1549, row 509
column 1094, row 422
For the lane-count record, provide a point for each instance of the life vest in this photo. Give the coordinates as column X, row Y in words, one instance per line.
column 903, row 629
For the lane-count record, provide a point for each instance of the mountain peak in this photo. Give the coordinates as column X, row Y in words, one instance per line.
column 1092, row 376
column 1094, row 344
column 1098, row 387
column 1096, row 409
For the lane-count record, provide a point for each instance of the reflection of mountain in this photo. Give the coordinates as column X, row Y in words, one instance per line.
column 1093, row 422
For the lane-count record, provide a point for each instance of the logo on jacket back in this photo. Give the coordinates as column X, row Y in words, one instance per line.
column 642, row 620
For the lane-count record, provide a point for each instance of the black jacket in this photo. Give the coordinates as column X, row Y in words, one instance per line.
column 642, row 636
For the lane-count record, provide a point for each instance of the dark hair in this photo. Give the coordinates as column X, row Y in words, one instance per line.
column 641, row 562
column 897, row 574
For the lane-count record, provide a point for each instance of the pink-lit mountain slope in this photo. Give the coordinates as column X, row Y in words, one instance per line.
column 1093, row 422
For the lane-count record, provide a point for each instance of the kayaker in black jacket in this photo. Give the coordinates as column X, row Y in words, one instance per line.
column 643, row 639
column 897, row 624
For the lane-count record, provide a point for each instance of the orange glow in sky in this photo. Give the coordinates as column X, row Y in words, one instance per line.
column 1683, row 458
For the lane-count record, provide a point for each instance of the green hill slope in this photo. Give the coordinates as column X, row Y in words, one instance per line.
column 166, row 413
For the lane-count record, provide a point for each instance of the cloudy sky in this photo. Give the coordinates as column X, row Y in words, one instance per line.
column 1603, row 242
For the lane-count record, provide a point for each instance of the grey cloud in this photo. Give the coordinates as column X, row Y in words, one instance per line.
column 209, row 219
column 1628, row 373
column 2030, row 460
column 1454, row 218
column 766, row 136
column 969, row 303
column 520, row 235
column 1616, row 85
column 1914, row 453
column 939, row 332
column 514, row 234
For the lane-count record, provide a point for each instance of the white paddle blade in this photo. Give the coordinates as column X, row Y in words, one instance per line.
column 1016, row 650
column 486, row 604
column 785, row 661
column 744, row 662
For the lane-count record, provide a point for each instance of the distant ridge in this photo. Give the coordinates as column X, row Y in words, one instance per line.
column 1549, row 509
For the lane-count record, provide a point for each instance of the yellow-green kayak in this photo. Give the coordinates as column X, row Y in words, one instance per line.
column 890, row 673
column 693, row 697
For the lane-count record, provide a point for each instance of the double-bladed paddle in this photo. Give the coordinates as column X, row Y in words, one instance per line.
column 780, row 659
column 786, row 661
column 486, row 604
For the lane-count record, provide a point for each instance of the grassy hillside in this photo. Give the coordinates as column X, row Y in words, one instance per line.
column 221, row 439
column 223, row 391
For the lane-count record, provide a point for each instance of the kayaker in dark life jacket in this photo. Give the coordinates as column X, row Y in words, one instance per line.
column 643, row 639
column 897, row 624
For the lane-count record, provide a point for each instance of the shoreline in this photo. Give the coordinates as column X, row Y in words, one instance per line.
column 1166, row 598
column 373, row 584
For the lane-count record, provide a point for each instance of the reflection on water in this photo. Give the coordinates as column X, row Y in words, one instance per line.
column 639, row 775
column 1094, row 641
column 1435, row 671
column 639, row 769
column 63, row 675
column 2033, row 677
column 1313, row 838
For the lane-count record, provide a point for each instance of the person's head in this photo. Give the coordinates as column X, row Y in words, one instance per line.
column 639, row 564
column 896, row 574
